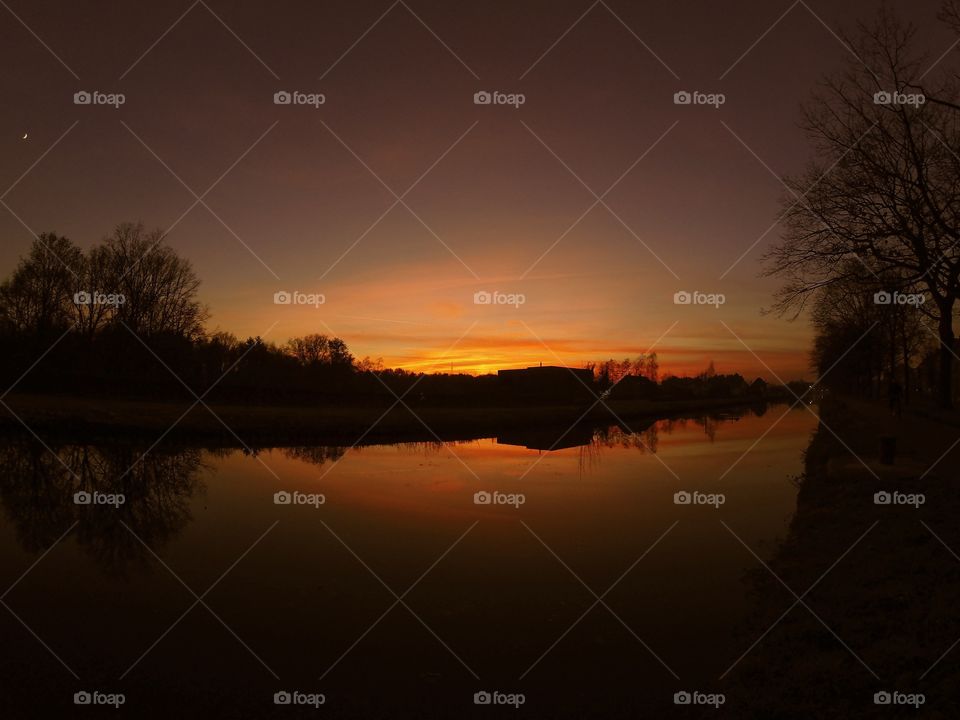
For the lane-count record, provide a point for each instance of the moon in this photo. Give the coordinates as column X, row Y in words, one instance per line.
column 24, row 136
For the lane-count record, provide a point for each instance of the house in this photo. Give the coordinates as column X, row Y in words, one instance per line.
column 552, row 438
column 553, row 384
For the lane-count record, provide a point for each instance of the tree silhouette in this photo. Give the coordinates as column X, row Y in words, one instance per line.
column 883, row 188
column 37, row 300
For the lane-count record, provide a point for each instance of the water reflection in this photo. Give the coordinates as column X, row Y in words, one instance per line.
column 316, row 454
column 500, row 598
column 639, row 434
column 38, row 486
column 160, row 483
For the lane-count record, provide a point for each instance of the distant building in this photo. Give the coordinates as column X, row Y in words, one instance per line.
column 555, row 438
column 557, row 385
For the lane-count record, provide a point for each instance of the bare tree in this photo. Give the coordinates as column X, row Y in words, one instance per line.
column 340, row 355
column 38, row 298
column 318, row 349
column 92, row 283
column 864, row 344
column 310, row 349
column 159, row 288
column 883, row 189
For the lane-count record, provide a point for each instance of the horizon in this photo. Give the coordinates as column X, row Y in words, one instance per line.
column 461, row 360
column 505, row 198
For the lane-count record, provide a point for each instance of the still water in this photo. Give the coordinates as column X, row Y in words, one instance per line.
column 387, row 585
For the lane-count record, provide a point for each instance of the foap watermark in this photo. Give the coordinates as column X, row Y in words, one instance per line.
column 295, row 697
column 84, row 97
column 884, row 97
column 295, row 297
column 283, row 497
column 98, row 498
column 684, row 497
column 695, row 97
column 683, row 297
column 295, row 97
column 495, row 97
column 895, row 697
column 95, row 697
column 696, row 697
column 883, row 497
column 95, row 297
column 495, row 497
column 898, row 298
column 496, row 697
column 484, row 297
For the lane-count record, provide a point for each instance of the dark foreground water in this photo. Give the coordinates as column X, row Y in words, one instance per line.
column 387, row 586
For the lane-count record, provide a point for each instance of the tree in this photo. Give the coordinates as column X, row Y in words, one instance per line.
column 158, row 286
column 310, row 349
column 864, row 345
column 316, row 349
column 38, row 299
column 609, row 372
column 710, row 372
column 340, row 356
column 92, row 316
column 950, row 14
column 845, row 343
column 883, row 188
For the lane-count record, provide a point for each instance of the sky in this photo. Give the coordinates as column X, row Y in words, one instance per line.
column 585, row 209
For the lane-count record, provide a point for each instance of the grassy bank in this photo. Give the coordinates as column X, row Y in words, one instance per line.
column 261, row 425
column 883, row 580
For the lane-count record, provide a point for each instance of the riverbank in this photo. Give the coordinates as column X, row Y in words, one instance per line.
column 879, row 583
column 86, row 417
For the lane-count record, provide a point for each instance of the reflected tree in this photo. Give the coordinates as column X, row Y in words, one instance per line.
column 37, row 492
column 316, row 454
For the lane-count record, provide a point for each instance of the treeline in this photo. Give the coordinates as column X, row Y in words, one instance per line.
column 873, row 341
column 610, row 372
column 638, row 379
column 123, row 319
column 872, row 227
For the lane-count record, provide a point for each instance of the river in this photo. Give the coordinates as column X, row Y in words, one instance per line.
column 392, row 580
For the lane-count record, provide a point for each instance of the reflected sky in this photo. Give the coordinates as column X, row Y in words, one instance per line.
column 300, row 584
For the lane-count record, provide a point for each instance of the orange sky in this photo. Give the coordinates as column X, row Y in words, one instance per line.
column 424, row 318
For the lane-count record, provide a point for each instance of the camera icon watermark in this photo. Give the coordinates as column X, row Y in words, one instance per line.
column 895, row 97
column 696, row 697
column 915, row 500
column 295, row 697
column 315, row 500
column 484, row 497
column 95, row 97
column 684, row 497
column 95, row 697
column 295, row 297
column 295, row 97
column 495, row 97
column 94, row 297
column 83, row 497
column 895, row 697
column 695, row 297
column 898, row 298
column 695, row 97
column 495, row 697
column 485, row 297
